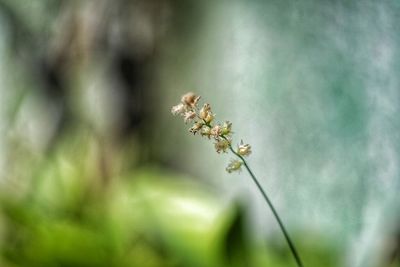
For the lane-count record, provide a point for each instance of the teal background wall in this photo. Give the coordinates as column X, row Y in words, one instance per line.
column 314, row 87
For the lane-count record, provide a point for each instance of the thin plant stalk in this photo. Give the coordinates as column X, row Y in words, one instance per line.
column 274, row 212
column 205, row 125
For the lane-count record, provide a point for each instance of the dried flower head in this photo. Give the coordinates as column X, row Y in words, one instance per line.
column 244, row 149
column 205, row 125
column 216, row 131
column 234, row 165
column 178, row 109
column 206, row 131
column 190, row 99
column 197, row 126
column 206, row 114
column 204, row 111
column 222, row 145
column 189, row 116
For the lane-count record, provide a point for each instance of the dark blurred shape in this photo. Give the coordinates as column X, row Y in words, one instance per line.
column 123, row 36
column 236, row 245
column 132, row 73
column 392, row 257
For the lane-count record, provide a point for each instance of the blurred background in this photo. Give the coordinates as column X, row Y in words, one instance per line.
column 95, row 171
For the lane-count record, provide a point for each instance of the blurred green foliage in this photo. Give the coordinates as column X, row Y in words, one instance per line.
column 72, row 214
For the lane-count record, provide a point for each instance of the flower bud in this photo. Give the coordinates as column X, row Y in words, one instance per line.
column 244, row 149
column 226, row 128
column 234, row 165
column 204, row 111
column 209, row 118
column 206, row 114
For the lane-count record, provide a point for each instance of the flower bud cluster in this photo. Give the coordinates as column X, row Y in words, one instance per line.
column 204, row 124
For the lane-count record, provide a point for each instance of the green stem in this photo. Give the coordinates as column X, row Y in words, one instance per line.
column 285, row 233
